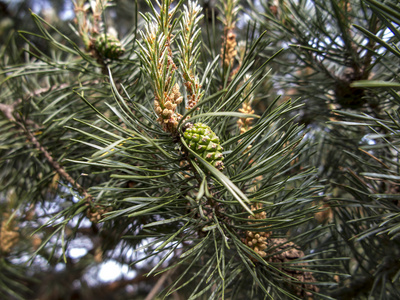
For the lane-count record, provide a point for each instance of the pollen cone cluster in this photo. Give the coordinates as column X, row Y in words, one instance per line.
column 9, row 235
column 284, row 254
column 244, row 123
column 109, row 46
column 228, row 50
column 166, row 109
column 202, row 140
column 96, row 213
column 257, row 240
column 193, row 98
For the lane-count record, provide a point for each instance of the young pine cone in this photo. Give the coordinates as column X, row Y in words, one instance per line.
column 202, row 140
column 109, row 46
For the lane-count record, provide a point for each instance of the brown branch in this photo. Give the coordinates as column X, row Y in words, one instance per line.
column 59, row 169
column 154, row 291
column 8, row 111
column 175, row 294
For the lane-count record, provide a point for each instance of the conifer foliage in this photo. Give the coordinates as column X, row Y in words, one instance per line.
column 168, row 150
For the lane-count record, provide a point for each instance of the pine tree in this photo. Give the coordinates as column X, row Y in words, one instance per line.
column 167, row 148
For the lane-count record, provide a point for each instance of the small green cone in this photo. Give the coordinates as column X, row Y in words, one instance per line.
column 109, row 46
column 202, row 140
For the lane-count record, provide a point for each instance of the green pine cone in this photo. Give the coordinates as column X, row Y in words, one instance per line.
column 109, row 46
column 202, row 140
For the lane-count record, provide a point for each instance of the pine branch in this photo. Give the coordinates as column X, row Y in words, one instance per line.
column 161, row 188
column 8, row 111
column 158, row 286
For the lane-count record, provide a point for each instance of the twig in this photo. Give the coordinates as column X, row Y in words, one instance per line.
column 374, row 157
column 8, row 110
column 174, row 293
column 59, row 169
column 154, row 291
